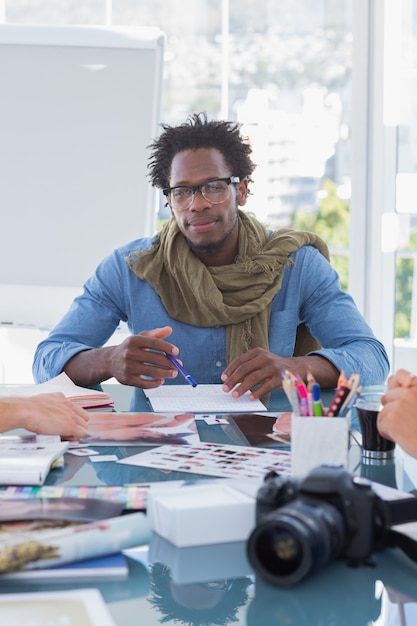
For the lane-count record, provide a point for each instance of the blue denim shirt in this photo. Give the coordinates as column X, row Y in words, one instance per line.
column 310, row 293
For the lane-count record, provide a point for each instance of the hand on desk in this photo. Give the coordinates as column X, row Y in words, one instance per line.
column 45, row 414
column 261, row 370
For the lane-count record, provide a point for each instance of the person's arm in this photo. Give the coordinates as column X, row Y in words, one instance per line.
column 311, row 289
column 46, row 414
column 138, row 361
column 398, row 418
column 89, row 323
column 76, row 344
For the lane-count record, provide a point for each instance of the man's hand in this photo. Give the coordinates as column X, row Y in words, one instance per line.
column 138, row 361
column 260, row 371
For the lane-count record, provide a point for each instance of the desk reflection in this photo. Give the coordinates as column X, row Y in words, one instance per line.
column 208, row 585
column 214, row 586
column 340, row 595
column 197, row 604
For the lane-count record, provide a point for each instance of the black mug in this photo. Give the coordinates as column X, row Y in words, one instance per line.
column 375, row 447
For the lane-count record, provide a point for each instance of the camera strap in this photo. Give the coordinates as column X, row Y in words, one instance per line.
column 396, row 539
column 400, row 512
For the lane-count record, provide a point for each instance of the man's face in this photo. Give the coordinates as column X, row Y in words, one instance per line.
column 210, row 229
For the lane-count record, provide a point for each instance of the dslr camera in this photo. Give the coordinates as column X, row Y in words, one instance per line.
column 330, row 514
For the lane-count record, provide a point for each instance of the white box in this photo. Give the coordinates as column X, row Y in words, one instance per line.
column 203, row 514
column 318, row 441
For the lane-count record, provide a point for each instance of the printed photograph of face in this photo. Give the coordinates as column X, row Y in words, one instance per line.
column 141, row 429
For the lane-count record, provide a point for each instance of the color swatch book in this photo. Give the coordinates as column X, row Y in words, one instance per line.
column 213, row 459
column 131, row 497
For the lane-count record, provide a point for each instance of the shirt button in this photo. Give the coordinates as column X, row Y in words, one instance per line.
column 218, row 364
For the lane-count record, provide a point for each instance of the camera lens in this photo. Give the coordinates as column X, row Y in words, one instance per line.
column 279, row 547
column 295, row 539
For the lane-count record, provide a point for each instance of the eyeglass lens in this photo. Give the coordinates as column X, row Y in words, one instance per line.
column 214, row 191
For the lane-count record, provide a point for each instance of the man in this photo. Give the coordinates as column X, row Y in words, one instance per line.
column 398, row 418
column 46, row 414
column 233, row 300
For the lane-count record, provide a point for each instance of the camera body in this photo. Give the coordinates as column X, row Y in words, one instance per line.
column 353, row 496
column 302, row 525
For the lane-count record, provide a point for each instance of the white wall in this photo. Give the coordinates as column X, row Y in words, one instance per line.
column 78, row 108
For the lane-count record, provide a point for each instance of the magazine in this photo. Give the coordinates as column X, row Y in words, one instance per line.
column 141, row 429
column 103, row 567
column 28, row 462
column 33, row 544
column 64, row 509
column 81, row 396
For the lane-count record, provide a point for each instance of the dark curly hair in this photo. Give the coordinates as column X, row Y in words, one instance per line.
column 198, row 132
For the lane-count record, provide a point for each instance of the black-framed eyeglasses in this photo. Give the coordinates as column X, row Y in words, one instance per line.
column 215, row 191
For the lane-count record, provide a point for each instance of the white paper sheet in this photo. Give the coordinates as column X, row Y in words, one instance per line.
column 200, row 399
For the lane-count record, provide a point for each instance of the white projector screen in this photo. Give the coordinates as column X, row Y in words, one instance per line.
column 78, row 108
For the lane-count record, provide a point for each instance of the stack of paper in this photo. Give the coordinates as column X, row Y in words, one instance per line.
column 80, row 396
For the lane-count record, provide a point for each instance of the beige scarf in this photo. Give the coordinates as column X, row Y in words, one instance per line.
column 237, row 296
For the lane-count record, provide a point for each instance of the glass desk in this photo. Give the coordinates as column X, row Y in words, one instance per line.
column 215, row 585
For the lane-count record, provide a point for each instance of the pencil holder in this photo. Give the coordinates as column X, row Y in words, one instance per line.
column 318, row 441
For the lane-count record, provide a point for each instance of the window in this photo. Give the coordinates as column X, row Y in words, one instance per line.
column 282, row 69
column 308, row 81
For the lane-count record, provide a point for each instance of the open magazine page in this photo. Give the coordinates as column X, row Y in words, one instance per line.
column 67, row 509
column 136, row 429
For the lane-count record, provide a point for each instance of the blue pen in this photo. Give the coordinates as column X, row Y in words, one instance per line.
column 182, row 370
column 317, row 404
